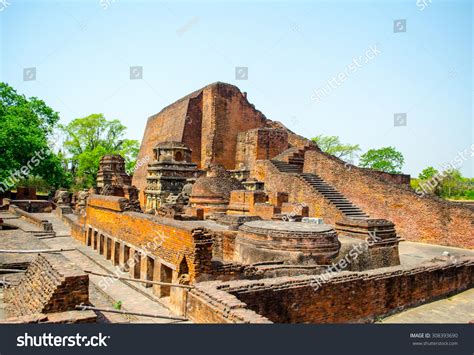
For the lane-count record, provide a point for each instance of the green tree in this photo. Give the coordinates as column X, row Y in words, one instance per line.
column 452, row 184
column 25, row 125
column 429, row 181
column 428, row 173
column 332, row 145
column 88, row 139
column 386, row 159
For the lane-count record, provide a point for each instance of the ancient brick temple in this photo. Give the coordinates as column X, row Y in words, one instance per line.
column 112, row 175
column 261, row 226
column 168, row 173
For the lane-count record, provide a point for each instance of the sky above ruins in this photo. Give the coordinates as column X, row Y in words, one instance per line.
column 376, row 73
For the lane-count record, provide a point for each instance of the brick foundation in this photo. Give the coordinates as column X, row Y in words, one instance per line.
column 423, row 219
column 51, row 284
column 346, row 297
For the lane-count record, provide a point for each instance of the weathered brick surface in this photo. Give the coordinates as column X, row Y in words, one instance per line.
column 25, row 193
column 33, row 206
column 112, row 203
column 43, row 224
column 298, row 191
column 288, row 242
column 347, row 297
column 242, row 202
column 169, row 125
column 258, row 144
column 423, row 219
column 207, row 121
column 164, row 238
column 206, row 304
column 69, row 317
column 226, row 113
column 51, row 284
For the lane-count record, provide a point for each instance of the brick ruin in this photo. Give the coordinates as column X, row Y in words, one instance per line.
column 357, row 297
column 251, row 216
column 49, row 292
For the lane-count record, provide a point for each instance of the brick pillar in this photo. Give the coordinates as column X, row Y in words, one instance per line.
column 147, row 265
column 93, row 236
column 156, row 277
column 115, row 258
column 135, row 263
column 101, row 244
column 89, row 236
column 124, row 255
column 108, row 248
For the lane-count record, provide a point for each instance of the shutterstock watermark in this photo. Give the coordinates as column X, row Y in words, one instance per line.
column 106, row 4
column 423, row 4
column 49, row 340
column 357, row 62
column 24, row 171
column 138, row 165
column 4, row 4
column 343, row 263
column 290, row 217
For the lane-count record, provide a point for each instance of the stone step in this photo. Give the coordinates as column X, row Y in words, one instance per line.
column 335, row 197
column 324, row 188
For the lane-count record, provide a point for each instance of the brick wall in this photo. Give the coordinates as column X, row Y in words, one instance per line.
column 346, row 297
column 33, row 206
column 44, row 224
column 207, row 120
column 423, row 219
column 298, row 191
column 209, row 305
column 167, row 125
column 51, row 284
column 192, row 128
column 258, row 144
column 174, row 240
column 226, row 113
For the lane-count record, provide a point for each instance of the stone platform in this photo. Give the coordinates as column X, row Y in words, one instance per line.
column 288, row 242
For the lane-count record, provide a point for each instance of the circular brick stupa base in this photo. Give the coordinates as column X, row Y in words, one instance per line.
column 288, row 242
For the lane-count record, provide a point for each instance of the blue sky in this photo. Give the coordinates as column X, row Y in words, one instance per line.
column 83, row 50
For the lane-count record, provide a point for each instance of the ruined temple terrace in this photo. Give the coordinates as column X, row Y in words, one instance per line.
column 234, row 219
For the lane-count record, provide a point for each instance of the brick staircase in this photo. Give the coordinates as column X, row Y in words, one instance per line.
column 288, row 167
column 347, row 208
column 295, row 166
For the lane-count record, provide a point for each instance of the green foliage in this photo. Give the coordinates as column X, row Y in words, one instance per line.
column 25, row 125
column 446, row 184
column 88, row 139
column 428, row 173
column 386, row 159
column 332, row 145
column 455, row 186
column 118, row 305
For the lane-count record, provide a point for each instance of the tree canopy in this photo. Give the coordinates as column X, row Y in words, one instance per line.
column 89, row 138
column 386, row 159
column 25, row 125
column 448, row 184
column 428, row 173
column 332, row 145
